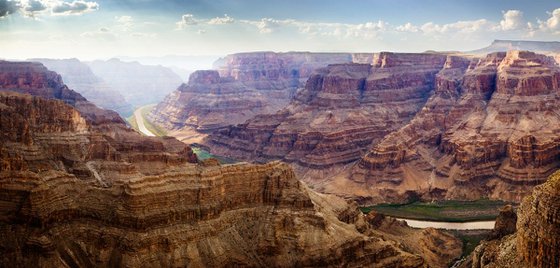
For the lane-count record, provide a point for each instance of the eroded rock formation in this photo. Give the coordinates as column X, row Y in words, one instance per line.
column 342, row 110
column 242, row 86
column 425, row 125
column 537, row 240
column 80, row 192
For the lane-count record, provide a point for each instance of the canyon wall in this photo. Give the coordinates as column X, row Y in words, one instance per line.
column 82, row 192
column 79, row 77
column 242, row 86
column 536, row 241
column 415, row 125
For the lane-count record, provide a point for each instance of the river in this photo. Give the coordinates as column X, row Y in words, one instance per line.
column 487, row 225
column 140, row 122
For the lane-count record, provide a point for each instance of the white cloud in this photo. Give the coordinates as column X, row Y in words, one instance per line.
column 125, row 22
column 512, row 20
column 408, row 27
column 553, row 23
column 221, row 20
column 186, row 20
column 457, row 27
column 73, row 8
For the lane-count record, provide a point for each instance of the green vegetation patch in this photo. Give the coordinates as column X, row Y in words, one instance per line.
column 448, row 210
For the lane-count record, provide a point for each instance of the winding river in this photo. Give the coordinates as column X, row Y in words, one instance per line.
column 450, row 225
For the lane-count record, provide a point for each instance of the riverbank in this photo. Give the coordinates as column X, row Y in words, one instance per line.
column 443, row 211
column 140, row 123
column 203, row 154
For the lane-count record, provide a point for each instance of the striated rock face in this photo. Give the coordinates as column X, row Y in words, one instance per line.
column 342, row 110
column 536, row 242
column 79, row 77
column 81, row 193
column 538, row 227
column 35, row 79
column 242, row 86
column 505, row 223
column 139, row 84
column 490, row 129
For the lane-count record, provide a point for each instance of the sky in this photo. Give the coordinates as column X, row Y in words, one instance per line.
column 102, row 29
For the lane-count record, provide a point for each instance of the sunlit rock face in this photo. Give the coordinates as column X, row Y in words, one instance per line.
column 78, row 191
column 242, row 86
column 427, row 125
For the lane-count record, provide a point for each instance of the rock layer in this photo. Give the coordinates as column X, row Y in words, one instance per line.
column 242, row 86
column 536, row 242
column 82, row 193
column 342, row 110
column 426, row 125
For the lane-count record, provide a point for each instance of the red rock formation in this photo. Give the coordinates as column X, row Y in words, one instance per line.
column 82, row 193
column 340, row 113
column 536, row 242
column 244, row 85
column 487, row 131
column 36, row 80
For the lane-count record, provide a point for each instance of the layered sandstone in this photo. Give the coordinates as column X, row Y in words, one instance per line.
column 242, row 86
column 536, row 242
column 81, row 193
column 79, row 77
column 490, row 129
column 343, row 109
column 35, row 79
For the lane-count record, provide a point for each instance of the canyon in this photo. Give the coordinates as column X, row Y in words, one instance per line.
column 406, row 126
column 79, row 188
column 240, row 87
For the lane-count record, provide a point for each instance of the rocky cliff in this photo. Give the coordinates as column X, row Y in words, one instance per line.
column 35, row 79
column 242, row 86
column 79, row 192
column 490, row 129
column 536, row 242
column 79, row 77
column 139, row 84
column 431, row 125
column 342, row 110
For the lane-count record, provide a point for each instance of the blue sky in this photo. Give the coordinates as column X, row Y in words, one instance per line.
column 90, row 29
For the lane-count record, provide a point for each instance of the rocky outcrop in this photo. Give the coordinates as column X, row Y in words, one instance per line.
column 477, row 136
column 342, row 110
column 505, row 223
column 243, row 85
column 538, row 226
column 536, row 242
column 79, row 77
column 81, row 193
column 34, row 79
column 139, row 84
